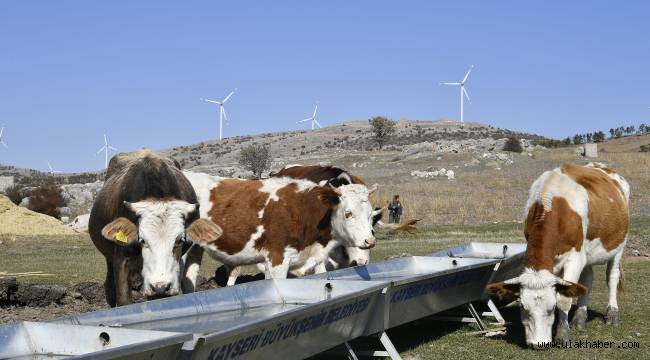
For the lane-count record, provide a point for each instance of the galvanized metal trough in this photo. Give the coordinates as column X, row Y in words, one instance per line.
column 284, row 319
column 511, row 263
column 419, row 286
column 32, row 340
column 281, row 318
column 509, row 255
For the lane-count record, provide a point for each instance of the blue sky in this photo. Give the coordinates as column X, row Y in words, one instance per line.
column 71, row 69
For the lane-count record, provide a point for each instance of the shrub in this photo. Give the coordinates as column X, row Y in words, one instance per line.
column 256, row 158
column 513, row 145
column 46, row 199
column 645, row 148
column 15, row 194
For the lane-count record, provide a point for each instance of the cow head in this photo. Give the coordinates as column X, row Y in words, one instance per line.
column 161, row 234
column 352, row 217
column 538, row 291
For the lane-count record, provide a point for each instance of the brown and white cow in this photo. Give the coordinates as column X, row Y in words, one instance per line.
column 336, row 177
column 139, row 222
column 272, row 221
column 341, row 256
column 577, row 216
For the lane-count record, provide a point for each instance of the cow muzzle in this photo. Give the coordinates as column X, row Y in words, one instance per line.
column 160, row 290
column 368, row 243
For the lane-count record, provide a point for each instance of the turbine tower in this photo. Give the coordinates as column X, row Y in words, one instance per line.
column 312, row 119
column 2, row 141
column 463, row 92
column 106, row 148
column 222, row 111
column 52, row 171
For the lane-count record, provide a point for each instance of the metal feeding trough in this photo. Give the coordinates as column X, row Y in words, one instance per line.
column 420, row 286
column 32, row 340
column 510, row 256
column 511, row 264
column 289, row 318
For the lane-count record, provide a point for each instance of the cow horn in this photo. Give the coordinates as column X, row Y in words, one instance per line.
column 373, row 188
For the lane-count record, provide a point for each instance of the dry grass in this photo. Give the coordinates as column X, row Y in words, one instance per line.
column 481, row 194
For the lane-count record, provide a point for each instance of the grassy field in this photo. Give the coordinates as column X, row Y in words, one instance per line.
column 74, row 259
column 482, row 193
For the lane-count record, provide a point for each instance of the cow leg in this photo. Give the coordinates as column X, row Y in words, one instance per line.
column 321, row 268
column 122, row 281
column 233, row 273
column 572, row 272
column 109, row 284
column 613, row 278
column 192, row 261
column 580, row 316
column 279, row 271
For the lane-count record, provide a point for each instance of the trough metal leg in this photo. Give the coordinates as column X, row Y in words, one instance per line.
column 476, row 316
column 388, row 345
column 350, row 353
column 494, row 312
column 389, row 349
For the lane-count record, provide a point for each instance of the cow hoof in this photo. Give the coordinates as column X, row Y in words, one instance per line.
column 579, row 319
column 611, row 317
column 562, row 334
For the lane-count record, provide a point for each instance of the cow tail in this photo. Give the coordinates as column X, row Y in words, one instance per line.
column 619, row 287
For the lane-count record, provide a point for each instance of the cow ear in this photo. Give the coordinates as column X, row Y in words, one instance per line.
column 203, row 231
column 120, row 231
column 503, row 290
column 328, row 195
column 570, row 289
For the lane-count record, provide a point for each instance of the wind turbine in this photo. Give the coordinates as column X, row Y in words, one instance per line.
column 52, row 171
column 312, row 119
column 106, row 148
column 463, row 92
column 222, row 111
column 1, row 141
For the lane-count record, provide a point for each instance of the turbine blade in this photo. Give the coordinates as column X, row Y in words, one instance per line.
column 307, row 119
column 315, row 109
column 101, row 149
column 467, row 75
column 3, row 144
column 228, row 97
column 112, row 148
column 466, row 95
column 317, row 123
column 1, row 131
column 447, row 83
column 105, row 140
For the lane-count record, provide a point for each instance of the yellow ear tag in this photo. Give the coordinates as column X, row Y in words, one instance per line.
column 121, row 236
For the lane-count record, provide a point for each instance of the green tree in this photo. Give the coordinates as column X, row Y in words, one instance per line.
column 382, row 129
column 256, row 158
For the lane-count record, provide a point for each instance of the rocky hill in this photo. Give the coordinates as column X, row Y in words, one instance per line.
column 220, row 157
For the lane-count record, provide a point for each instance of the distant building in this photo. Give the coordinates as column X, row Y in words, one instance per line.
column 591, row 150
column 5, row 182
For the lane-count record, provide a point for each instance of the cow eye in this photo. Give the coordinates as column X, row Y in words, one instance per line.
column 142, row 242
column 348, row 213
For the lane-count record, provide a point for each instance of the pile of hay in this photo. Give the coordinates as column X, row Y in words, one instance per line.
column 15, row 220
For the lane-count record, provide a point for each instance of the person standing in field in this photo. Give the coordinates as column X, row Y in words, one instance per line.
column 394, row 210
